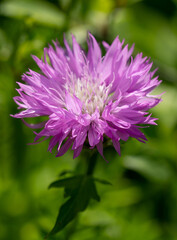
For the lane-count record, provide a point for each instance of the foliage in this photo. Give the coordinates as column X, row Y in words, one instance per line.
column 81, row 189
column 141, row 202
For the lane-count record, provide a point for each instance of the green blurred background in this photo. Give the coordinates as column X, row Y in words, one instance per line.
column 142, row 202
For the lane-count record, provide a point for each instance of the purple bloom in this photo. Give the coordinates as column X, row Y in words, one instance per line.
column 89, row 98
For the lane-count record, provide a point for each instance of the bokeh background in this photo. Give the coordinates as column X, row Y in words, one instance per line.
column 141, row 204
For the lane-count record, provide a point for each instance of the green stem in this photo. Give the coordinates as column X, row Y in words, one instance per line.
column 92, row 163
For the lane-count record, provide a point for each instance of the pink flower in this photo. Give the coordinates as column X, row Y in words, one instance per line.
column 89, row 98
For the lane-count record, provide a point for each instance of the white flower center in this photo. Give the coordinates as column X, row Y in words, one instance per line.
column 90, row 91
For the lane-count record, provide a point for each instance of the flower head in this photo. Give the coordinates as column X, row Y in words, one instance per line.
column 89, row 98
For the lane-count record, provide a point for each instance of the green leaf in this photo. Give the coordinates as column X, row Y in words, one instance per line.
column 63, row 173
column 70, row 184
column 148, row 168
column 66, row 182
column 102, row 181
column 80, row 189
column 35, row 11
